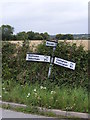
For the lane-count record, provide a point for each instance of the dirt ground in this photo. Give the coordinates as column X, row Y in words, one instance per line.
column 34, row 43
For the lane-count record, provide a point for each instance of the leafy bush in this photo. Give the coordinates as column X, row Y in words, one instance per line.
column 16, row 68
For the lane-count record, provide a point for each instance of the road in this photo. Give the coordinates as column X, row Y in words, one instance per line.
column 12, row 114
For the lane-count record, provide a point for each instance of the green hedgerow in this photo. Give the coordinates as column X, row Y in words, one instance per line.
column 15, row 66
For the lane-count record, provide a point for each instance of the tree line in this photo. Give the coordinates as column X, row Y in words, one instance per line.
column 8, row 34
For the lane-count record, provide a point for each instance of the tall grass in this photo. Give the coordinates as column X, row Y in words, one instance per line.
column 75, row 99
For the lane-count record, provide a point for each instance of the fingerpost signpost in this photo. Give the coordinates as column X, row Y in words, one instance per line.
column 50, row 59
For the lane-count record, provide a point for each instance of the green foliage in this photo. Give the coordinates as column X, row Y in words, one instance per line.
column 27, row 83
column 16, row 68
column 45, row 35
column 37, row 36
column 22, row 36
column 7, row 32
column 13, row 60
column 8, row 51
column 30, row 35
column 57, row 98
column 59, row 36
column 64, row 37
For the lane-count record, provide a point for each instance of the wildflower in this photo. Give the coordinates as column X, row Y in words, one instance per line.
column 53, row 92
column 3, row 88
column 0, row 96
column 41, row 87
column 44, row 88
column 28, row 95
column 49, row 106
column 34, row 90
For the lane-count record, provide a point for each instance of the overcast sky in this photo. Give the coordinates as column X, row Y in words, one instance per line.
column 52, row 16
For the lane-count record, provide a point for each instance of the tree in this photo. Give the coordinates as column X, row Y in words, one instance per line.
column 38, row 37
column 7, row 32
column 45, row 36
column 14, row 37
column 64, row 37
column 31, row 35
column 22, row 36
column 69, row 37
column 59, row 36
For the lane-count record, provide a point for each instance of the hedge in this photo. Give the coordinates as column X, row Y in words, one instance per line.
column 15, row 67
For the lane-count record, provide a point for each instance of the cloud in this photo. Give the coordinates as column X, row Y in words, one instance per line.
column 53, row 16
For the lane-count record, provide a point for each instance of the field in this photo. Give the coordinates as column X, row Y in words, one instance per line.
column 34, row 43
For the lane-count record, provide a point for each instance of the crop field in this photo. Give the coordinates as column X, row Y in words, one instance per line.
column 34, row 43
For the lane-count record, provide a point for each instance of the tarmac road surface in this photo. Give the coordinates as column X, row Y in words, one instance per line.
column 13, row 114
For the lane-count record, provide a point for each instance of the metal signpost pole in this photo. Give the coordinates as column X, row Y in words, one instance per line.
column 51, row 62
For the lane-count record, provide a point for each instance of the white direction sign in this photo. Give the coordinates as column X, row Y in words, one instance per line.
column 51, row 43
column 37, row 57
column 64, row 63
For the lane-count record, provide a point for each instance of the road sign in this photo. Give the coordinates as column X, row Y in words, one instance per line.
column 64, row 63
column 51, row 43
column 37, row 57
column 50, row 59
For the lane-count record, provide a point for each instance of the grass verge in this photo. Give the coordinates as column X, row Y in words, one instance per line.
column 34, row 110
column 31, row 110
column 68, row 99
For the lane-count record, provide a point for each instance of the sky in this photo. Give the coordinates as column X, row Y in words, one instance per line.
column 52, row 16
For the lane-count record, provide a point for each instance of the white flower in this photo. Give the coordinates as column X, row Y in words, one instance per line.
column 44, row 88
column 41, row 87
column 53, row 92
column 34, row 90
column 28, row 95
column 3, row 88
column 0, row 96
column 49, row 106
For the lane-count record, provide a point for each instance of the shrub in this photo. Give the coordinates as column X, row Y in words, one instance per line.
column 16, row 68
